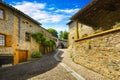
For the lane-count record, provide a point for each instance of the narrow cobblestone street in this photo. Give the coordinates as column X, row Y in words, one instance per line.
column 81, row 70
column 45, row 69
column 48, row 68
column 58, row 73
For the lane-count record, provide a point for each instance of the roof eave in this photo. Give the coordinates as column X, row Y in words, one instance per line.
column 19, row 12
column 74, row 17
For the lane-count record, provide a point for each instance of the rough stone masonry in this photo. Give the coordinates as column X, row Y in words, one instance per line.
column 100, row 54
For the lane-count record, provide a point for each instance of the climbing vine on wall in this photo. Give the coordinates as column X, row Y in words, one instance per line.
column 39, row 37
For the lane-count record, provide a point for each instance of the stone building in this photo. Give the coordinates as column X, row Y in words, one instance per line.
column 62, row 43
column 78, row 32
column 94, row 35
column 16, row 29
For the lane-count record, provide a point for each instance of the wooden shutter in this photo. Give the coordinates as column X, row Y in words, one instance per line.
column 8, row 40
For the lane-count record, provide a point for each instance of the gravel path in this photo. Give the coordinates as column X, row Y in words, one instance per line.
column 46, row 68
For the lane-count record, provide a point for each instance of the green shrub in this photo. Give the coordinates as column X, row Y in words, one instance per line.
column 39, row 37
column 37, row 55
column 46, row 42
column 52, row 43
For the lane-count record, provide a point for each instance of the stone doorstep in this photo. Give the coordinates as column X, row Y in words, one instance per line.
column 10, row 65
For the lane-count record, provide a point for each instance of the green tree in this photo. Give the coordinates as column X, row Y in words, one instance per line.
column 53, row 32
column 63, row 35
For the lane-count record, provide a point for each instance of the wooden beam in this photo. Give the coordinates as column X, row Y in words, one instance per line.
column 77, row 33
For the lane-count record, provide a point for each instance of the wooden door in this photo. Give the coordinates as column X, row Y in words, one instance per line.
column 23, row 55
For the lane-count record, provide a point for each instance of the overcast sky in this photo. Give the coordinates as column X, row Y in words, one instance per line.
column 51, row 13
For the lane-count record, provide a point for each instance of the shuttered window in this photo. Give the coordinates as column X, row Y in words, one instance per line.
column 5, row 40
column 2, row 40
column 8, row 40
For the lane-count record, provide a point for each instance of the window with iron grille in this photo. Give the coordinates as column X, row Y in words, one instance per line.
column 2, row 40
column 27, row 36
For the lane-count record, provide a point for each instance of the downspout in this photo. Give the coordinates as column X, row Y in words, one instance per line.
column 19, row 20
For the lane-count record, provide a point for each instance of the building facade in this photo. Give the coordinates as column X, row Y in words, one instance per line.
column 94, row 34
column 78, row 30
column 16, row 29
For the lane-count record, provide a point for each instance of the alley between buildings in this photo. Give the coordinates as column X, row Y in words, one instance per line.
column 48, row 68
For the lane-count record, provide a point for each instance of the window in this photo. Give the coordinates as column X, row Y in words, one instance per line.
column 1, row 14
column 27, row 36
column 2, row 40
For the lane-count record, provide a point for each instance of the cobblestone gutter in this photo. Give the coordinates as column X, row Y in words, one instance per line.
column 100, row 54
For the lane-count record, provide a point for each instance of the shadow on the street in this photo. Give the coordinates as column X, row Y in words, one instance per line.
column 31, row 69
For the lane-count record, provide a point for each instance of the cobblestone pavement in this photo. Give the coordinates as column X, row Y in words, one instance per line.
column 46, row 68
column 58, row 73
column 83, row 71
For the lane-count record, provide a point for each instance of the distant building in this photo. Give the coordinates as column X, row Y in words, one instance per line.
column 62, row 43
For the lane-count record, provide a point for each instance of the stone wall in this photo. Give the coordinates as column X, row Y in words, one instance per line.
column 100, row 53
column 47, row 34
column 6, row 25
column 29, row 27
column 6, row 28
column 84, row 30
column 7, row 50
column 72, row 33
column 16, row 25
